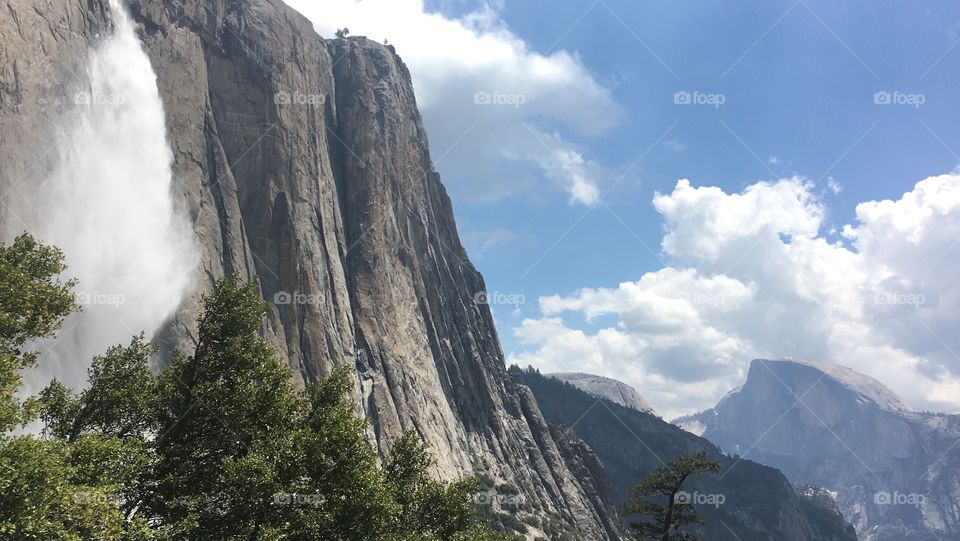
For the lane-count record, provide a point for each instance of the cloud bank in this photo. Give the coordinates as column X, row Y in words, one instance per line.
column 753, row 274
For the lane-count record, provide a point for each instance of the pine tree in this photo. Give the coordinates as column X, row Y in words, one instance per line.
column 665, row 520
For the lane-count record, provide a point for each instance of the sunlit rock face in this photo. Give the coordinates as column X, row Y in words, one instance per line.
column 895, row 472
column 611, row 389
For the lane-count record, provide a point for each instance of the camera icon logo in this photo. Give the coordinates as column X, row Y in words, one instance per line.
column 483, row 498
column 883, row 98
column 682, row 98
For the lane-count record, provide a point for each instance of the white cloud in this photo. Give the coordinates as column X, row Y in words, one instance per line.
column 481, row 243
column 753, row 276
column 524, row 96
column 834, row 186
column 675, row 145
column 569, row 169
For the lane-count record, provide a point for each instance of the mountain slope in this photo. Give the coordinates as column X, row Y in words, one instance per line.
column 611, row 389
column 303, row 165
column 758, row 503
column 896, row 473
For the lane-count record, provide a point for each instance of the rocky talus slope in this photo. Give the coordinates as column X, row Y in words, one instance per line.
column 894, row 472
column 303, row 164
column 744, row 501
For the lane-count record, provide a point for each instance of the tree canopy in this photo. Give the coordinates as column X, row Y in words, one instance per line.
column 219, row 445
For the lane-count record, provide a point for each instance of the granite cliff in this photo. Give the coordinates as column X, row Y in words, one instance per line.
column 611, row 389
column 893, row 471
column 302, row 164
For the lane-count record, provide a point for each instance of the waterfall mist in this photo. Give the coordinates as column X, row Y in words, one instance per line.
column 108, row 204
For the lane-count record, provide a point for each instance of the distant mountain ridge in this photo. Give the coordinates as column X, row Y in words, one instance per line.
column 760, row 504
column 864, row 385
column 895, row 472
column 613, row 390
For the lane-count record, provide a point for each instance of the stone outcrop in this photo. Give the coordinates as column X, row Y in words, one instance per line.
column 303, row 165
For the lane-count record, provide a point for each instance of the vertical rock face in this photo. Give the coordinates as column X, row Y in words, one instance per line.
column 895, row 472
column 303, row 165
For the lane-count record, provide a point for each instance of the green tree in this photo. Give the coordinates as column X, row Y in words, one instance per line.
column 666, row 519
column 340, row 464
column 217, row 446
column 33, row 303
column 428, row 508
column 50, row 488
column 109, row 424
column 226, row 420
column 119, row 400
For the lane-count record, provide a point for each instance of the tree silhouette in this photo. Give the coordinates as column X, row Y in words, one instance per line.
column 665, row 520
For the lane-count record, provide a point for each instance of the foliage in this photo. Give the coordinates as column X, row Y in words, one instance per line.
column 428, row 507
column 118, row 402
column 665, row 482
column 33, row 304
column 52, row 490
column 218, row 445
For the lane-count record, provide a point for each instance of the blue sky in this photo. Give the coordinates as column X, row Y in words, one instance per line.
column 802, row 93
column 797, row 82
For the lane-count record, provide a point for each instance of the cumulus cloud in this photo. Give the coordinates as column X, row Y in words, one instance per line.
column 494, row 108
column 752, row 275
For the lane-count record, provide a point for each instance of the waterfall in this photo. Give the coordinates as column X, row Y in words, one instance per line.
column 108, row 204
